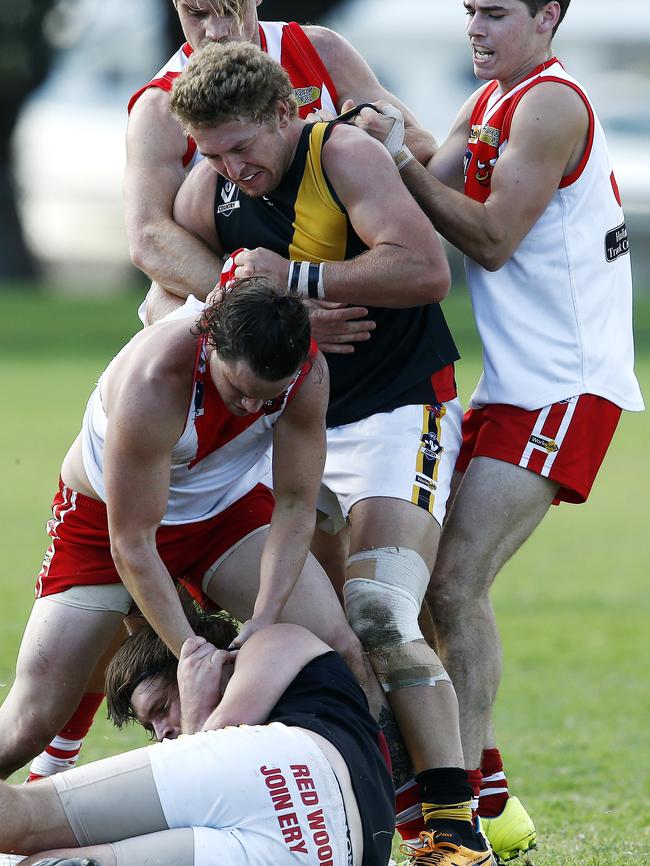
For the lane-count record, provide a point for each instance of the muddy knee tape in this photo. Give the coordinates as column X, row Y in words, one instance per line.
column 383, row 596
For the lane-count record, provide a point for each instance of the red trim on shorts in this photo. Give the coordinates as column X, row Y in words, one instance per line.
column 568, row 447
column 443, row 383
column 80, row 553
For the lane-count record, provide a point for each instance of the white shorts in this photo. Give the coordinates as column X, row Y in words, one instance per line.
column 409, row 454
column 242, row 796
column 254, row 795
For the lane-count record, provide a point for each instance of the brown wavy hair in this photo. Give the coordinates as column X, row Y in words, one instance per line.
column 144, row 655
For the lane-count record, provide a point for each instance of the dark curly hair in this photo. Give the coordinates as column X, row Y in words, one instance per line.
column 261, row 324
column 535, row 5
column 144, row 655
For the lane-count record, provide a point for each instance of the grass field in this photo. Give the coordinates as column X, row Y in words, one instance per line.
column 573, row 605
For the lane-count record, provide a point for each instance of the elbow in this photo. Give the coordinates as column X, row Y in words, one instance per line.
column 144, row 248
column 435, row 282
column 491, row 261
column 119, row 555
column 493, row 253
column 126, row 554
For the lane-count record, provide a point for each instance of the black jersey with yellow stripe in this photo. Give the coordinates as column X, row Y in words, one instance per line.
column 303, row 220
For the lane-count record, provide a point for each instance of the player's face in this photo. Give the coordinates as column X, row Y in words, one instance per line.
column 241, row 390
column 157, row 707
column 253, row 156
column 203, row 21
column 507, row 43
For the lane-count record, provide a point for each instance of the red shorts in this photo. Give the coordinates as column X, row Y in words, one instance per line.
column 80, row 552
column 565, row 441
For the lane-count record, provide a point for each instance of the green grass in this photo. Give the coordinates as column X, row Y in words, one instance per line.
column 573, row 604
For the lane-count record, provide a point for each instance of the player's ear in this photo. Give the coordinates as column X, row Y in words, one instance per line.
column 284, row 113
column 549, row 16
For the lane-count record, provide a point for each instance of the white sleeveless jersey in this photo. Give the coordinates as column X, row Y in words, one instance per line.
column 218, row 458
column 556, row 320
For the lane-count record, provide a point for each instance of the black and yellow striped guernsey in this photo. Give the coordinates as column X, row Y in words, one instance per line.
column 304, row 220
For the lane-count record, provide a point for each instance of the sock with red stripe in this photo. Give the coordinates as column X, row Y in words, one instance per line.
column 474, row 778
column 409, row 822
column 63, row 751
column 494, row 785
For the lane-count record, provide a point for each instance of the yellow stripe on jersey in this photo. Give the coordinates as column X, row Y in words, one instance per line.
column 427, row 461
column 320, row 224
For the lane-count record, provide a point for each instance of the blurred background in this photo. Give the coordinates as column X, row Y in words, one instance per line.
column 573, row 604
column 68, row 68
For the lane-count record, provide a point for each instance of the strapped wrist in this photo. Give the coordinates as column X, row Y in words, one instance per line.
column 306, row 279
column 403, row 157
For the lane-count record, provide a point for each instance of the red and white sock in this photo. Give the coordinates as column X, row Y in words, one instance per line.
column 494, row 785
column 409, row 822
column 63, row 751
column 474, row 779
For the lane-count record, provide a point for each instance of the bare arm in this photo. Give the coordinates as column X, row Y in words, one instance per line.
column 265, row 667
column 355, row 80
column 335, row 328
column 167, row 253
column 547, row 138
column 146, row 415
column 405, row 264
column 298, row 459
column 448, row 161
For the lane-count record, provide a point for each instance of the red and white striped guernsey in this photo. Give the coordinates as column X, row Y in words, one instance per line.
column 556, row 320
column 219, row 456
column 289, row 45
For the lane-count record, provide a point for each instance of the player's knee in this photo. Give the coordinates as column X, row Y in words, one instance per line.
column 29, row 719
column 383, row 597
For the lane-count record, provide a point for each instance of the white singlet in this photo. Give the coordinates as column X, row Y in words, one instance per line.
column 556, row 320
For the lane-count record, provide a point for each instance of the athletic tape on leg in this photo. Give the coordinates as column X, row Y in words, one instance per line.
column 383, row 596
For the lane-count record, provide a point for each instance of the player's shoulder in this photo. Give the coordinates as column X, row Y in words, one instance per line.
column 330, row 45
column 161, row 355
column 556, row 104
column 152, row 102
column 351, row 140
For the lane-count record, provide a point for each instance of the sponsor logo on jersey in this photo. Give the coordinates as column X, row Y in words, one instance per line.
column 306, row 95
column 549, row 445
column 484, row 171
column 489, row 135
column 617, row 243
column 474, row 133
column 230, row 198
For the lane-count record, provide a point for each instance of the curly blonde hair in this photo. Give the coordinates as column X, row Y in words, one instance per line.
column 224, row 82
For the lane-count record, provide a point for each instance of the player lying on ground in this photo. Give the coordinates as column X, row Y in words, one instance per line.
column 163, row 483
column 283, row 766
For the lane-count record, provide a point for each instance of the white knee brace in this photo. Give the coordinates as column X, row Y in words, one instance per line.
column 383, row 596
